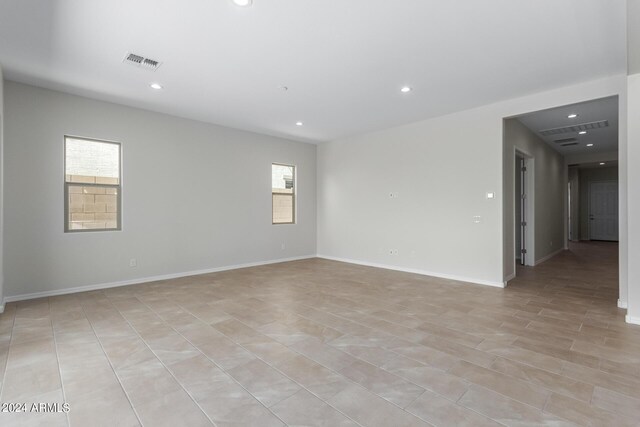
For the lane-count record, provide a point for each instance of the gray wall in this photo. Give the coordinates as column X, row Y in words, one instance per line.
column 574, row 179
column 1, row 190
column 549, row 191
column 587, row 176
column 195, row 196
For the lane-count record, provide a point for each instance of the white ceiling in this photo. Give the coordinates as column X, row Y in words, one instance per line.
column 603, row 139
column 344, row 61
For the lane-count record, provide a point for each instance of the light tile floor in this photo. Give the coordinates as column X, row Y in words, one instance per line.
column 318, row 342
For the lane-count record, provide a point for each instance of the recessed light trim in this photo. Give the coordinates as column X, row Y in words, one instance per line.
column 243, row 3
column 582, row 132
column 405, row 89
column 602, row 163
column 572, row 116
column 299, row 123
column 589, row 145
column 155, row 86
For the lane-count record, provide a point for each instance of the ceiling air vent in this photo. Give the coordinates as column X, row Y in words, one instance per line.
column 141, row 62
column 575, row 128
column 565, row 140
column 567, row 145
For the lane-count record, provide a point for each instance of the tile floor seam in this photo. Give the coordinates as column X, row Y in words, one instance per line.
column 549, row 391
column 365, row 361
column 539, row 385
column 210, row 359
column 301, row 354
column 507, row 396
column 99, row 341
column 561, row 417
column 166, row 368
column 55, row 346
column 476, row 411
column 416, row 330
column 409, row 327
column 267, row 363
column 512, row 398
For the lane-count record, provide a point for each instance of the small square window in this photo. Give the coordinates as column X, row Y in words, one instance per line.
column 92, row 185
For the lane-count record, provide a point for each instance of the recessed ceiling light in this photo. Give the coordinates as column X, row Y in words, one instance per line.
column 572, row 116
column 589, row 145
column 582, row 132
column 405, row 89
column 299, row 123
column 602, row 163
column 242, row 3
column 155, row 86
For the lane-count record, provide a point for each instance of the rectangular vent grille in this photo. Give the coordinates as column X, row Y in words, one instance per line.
column 575, row 128
column 567, row 145
column 141, row 62
column 565, row 140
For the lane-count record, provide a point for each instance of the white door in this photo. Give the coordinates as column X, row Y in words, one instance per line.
column 603, row 211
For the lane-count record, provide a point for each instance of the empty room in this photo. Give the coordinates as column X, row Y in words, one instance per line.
column 319, row 213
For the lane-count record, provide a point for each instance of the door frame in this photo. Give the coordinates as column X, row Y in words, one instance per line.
column 529, row 235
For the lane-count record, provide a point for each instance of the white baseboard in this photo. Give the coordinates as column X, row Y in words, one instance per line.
column 622, row 304
column 633, row 320
column 415, row 271
column 145, row 280
column 509, row 277
column 548, row 257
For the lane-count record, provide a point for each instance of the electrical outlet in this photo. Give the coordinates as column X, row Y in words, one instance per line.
column 282, row 247
column 133, row 262
column 477, row 219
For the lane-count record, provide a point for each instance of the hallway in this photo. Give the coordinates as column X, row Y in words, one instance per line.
column 586, row 274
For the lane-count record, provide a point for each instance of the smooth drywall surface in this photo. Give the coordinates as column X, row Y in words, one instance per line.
column 582, row 158
column 633, row 36
column 587, row 176
column 574, row 208
column 440, row 170
column 194, row 196
column 633, row 158
column 549, row 191
column 1, row 189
